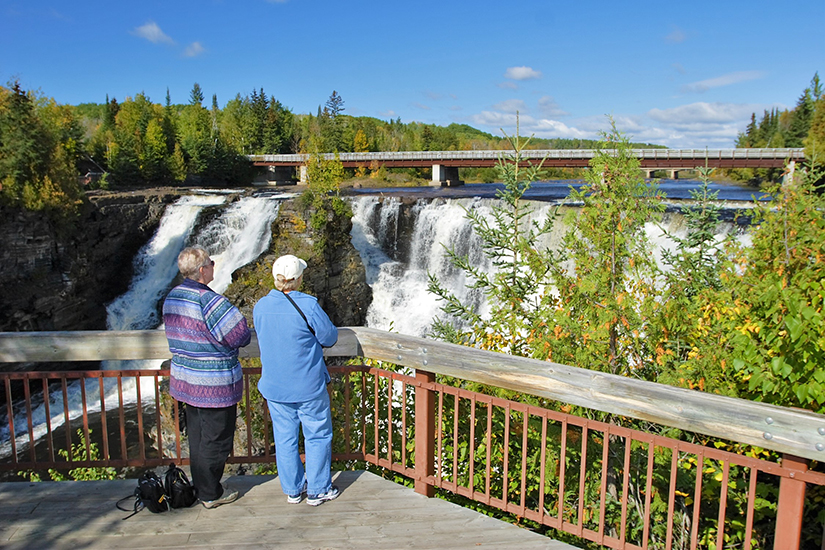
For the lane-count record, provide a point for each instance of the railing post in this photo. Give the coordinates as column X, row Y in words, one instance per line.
column 790, row 506
column 424, row 435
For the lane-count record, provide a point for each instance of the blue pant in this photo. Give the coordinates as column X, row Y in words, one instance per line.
column 315, row 420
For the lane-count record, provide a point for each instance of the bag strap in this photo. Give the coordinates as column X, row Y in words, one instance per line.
column 291, row 301
column 138, row 506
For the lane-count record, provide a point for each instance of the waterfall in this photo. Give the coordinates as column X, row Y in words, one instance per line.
column 234, row 238
column 398, row 259
column 399, row 279
column 155, row 266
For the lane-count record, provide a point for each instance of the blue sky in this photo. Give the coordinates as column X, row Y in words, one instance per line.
column 682, row 74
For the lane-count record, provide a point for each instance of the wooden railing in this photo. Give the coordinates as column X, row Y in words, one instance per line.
column 599, row 498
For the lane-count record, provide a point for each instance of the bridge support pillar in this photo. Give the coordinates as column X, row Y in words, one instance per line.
column 649, row 174
column 674, row 174
column 275, row 175
column 303, row 179
column 445, row 176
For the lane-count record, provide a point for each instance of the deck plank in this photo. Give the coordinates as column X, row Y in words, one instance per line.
column 371, row 513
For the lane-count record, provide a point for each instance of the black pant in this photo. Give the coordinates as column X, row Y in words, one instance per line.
column 211, row 433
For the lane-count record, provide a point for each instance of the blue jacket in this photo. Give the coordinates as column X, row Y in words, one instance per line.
column 292, row 358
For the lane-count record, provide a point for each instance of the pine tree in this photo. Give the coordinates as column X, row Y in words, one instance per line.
column 516, row 291
column 801, row 121
column 608, row 297
column 196, row 95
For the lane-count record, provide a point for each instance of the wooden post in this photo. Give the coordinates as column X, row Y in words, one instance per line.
column 790, row 506
column 424, row 435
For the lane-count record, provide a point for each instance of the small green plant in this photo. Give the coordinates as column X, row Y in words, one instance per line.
column 78, row 454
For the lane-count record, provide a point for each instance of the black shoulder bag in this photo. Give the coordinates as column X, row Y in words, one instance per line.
column 291, row 301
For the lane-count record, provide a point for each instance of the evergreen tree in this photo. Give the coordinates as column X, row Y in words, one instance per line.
column 801, row 119
column 332, row 131
column 196, row 95
column 334, row 105
column 815, row 142
column 516, row 291
column 194, row 131
column 39, row 146
column 608, row 297
column 691, row 270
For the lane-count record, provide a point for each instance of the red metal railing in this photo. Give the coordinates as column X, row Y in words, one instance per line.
column 606, row 483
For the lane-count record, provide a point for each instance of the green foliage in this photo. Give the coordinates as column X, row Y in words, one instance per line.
column 40, row 143
column 607, row 298
column 515, row 291
column 79, row 452
column 798, row 127
column 694, row 267
column 773, row 330
column 322, row 196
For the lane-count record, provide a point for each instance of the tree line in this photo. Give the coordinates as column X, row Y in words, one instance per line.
column 49, row 153
column 802, row 126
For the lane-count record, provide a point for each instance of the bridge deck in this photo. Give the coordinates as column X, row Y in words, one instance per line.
column 370, row 513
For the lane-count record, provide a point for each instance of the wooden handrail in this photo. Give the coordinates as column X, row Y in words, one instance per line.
column 793, row 431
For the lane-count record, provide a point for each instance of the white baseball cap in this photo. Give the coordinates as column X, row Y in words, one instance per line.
column 289, row 266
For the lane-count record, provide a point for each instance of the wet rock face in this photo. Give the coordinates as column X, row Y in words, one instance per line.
column 60, row 276
column 335, row 273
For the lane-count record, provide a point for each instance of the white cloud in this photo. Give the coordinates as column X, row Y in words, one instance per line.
column 528, row 125
column 435, row 96
column 676, row 36
column 679, row 68
column 420, row 106
column 151, row 32
column 511, row 106
column 388, row 114
column 724, row 80
column 508, row 85
column 701, row 112
column 522, row 73
column 194, row 49
column 549, row 107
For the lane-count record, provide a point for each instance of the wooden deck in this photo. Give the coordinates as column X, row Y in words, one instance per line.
column 371, row 513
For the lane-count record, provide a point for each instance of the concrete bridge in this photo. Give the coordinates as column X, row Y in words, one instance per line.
column 445, row 164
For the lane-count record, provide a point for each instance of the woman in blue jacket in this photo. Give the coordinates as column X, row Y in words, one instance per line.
column 292, row 329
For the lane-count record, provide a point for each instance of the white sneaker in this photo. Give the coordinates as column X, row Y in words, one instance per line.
column 315, row 500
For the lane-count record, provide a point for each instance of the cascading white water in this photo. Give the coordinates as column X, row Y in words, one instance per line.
column 156, row 265
column 397, row 262
column 234, row 238
column 401, row 301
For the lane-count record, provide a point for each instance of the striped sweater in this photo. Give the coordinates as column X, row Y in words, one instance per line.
column 204, row 332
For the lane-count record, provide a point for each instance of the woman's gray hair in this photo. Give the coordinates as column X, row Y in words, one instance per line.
column 190, row 260
column 285, row 285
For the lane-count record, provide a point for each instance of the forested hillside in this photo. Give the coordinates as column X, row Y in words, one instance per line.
column 802, row 126
column 47, row 148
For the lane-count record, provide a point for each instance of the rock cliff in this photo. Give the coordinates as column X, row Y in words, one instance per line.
column 60, row 276
column 334, row 274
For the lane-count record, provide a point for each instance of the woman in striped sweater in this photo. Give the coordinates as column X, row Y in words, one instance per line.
column 204, row 332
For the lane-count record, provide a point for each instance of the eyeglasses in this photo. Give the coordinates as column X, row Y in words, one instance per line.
column 211, row 262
